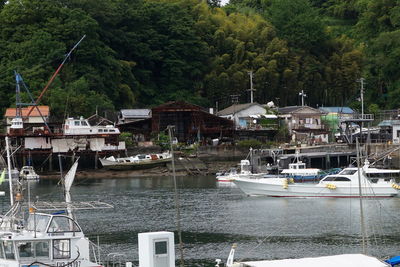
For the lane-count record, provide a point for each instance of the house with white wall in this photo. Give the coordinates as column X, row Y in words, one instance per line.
column 247, row 116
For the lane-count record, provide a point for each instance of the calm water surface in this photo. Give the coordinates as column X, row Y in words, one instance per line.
column 214, row 217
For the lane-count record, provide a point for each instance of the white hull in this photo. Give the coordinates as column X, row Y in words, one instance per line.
column 274, row 187
column 233, row 177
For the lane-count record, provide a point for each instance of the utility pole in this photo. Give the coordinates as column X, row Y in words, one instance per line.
column 251, row 86
column 361, row 81
column 303, row 95
column 235, row 101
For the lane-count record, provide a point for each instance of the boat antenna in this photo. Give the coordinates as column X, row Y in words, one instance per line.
column 178, row 213
column 363, row 241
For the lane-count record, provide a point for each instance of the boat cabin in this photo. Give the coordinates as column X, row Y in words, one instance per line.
column 81, row 126
column 51, row 239
column 297, row 165
column 373, row 175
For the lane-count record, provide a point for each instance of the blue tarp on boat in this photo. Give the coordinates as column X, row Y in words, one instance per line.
column 394, row 261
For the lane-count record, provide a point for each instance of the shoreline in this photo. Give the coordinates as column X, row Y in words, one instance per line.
column 211, row 169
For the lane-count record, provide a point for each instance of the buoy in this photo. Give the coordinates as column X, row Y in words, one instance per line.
column 396, row 186
column 18, row 197
column 285, row 183
column 330, row 186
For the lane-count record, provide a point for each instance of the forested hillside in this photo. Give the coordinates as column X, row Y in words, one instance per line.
column 140, row 53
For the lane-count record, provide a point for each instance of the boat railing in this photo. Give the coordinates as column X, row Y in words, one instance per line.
column 116, row 260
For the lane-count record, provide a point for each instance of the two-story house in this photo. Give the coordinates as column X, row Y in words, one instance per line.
column 304, row 124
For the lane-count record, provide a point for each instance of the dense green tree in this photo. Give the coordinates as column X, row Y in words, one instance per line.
column 145, row 52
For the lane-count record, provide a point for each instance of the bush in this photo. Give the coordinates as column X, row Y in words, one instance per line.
column 250, row 143
column 127, row 138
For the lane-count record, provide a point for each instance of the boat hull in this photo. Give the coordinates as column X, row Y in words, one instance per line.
column 112, row 165
column 278, row 188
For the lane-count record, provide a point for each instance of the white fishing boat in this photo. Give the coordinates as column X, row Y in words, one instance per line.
column 232, row 174
column 372, row 181
column 28, row 173
column 140, row 161
column 46, row 239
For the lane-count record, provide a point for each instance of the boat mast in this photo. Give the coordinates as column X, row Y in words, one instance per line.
column 9, row 172
column 361, row 197
column 178, row 213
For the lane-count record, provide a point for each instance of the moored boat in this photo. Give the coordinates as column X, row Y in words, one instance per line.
column 28, row 173
column 374, row 183
column 140, row 161
column 299, row 172
column 245, row 172
column 342, row 260
column 46, row 239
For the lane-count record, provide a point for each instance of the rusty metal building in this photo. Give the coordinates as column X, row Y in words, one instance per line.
column 192, row 122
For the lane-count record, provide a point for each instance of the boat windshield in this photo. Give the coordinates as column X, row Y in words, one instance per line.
column 38, row 222
column 62, row 224
column 348, row 172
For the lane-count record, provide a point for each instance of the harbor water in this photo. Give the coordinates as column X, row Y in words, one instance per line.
column 215, row 216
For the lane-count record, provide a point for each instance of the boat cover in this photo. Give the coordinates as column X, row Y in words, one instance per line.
column 394, row 261
column 344, row 260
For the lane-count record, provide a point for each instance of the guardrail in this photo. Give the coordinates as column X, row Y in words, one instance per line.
column 357, row 117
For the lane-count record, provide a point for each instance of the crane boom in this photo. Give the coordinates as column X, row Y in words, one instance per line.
column 55, row 74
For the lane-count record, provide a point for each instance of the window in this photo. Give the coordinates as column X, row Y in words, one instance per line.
column 25, row 249
column 77, row 123
column 2, row 256
column 348, row 172
column 61, row 249
column 84, row 123
column 160, row 247
column 100, row 130
column 38, row 222
column 9, row 250
column 342, row 179
column 42, row 249
column 336, row 179
column 60, row 224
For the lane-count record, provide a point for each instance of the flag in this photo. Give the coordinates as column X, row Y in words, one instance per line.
column 3, row 174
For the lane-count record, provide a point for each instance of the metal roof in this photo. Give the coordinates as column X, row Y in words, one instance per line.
column 136, row 113
column 295, row 109
column 236, row 108
column 345, row 110
column 388, row 123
